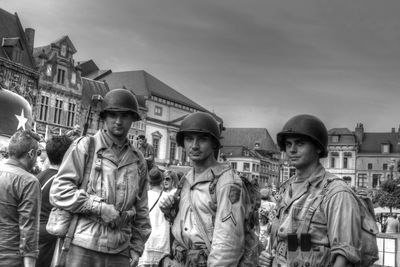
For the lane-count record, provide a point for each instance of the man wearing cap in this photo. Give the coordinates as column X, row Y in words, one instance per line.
column 208, row 231
column 19, row 202
column 113, row 223
column 318, row 218
column 147, row 150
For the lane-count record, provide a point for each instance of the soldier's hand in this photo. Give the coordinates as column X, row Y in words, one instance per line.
column 108, row 213
column 134, row 258
column 265, row 259
column 166, row 203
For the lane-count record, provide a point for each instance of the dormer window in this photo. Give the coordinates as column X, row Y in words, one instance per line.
column 385, row 148
column 13, row 48
column 63, row 50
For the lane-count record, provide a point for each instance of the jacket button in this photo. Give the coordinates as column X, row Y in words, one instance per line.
column 281, row 229
column 307, row 264
column 186, row 229
column 295, row 264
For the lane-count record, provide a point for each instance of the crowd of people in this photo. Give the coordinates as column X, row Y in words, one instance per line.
column 111, row 205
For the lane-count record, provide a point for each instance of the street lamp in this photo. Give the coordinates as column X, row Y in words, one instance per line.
column 96, row 99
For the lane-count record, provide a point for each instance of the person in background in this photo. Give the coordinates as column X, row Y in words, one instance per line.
column 20, row 202
column 157, row 247
column 170, row 181
column 147, row 150
column 56, row 147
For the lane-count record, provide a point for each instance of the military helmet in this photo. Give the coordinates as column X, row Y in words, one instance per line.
column 120, row 100
column 15, row 113
column 199, row 122
column 305, row 125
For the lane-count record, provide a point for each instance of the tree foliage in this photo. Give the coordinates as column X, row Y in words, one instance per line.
column 389, row 194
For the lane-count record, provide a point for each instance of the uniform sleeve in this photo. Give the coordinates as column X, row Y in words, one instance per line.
column 29, row 215
column 344, row 225
column 64, row 191
column 141, row 227
column 228, row 237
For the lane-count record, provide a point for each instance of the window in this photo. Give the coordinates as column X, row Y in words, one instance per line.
column 234, row 165
column 44, row 108
column 335, row 139
column 90, row 119
column 345, row 163
column 183, row 156
column 385, row 148
column 158, row 110
column 63, row 50
column 57, row 112
column 49, row 70
column 73, row 77
column 172, row 150
column 71, row 114
column 333, row 162
column 131, row 138
column 362, row 180
column 156, row 146
column 60, row 76
column 254, row 168
column 384, row 166
column 376, row 178
column 369, row 166
column 246, row 167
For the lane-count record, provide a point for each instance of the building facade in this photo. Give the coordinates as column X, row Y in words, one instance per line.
column 64, row 99
column 17, row 66
column 378, row 156
column 342, row 152
column 252, row 153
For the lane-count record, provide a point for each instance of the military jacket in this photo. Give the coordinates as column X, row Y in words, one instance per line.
column 334, row 227
column 223, row 223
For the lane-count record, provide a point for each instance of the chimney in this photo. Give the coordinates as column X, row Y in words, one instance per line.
column 30, row 38
column 359, row 132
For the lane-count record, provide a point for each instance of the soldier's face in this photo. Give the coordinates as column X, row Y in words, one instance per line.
column 199, row 146
column 118, row 123
column 301, row 152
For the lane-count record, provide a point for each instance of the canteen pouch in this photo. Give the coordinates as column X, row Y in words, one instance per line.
column 59, row 221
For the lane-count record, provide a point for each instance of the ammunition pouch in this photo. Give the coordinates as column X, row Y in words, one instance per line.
column 189, row 257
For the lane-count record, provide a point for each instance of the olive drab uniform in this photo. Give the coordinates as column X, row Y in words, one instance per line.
column 224, row 223
column 310, row 233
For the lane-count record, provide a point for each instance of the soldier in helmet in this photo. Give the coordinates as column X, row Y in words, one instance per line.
column 318, row 218
column 206, row 232
column 113, row 223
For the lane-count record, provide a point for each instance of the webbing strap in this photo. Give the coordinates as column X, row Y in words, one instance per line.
column 200, row 223
column 303, row 229
column 71, row 230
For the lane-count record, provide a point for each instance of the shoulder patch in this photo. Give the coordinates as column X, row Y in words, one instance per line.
column 234, row 194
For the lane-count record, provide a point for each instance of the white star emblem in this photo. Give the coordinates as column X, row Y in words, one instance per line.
column 21, row 120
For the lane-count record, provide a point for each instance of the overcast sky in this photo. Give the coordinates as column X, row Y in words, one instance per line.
column 255, row 63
